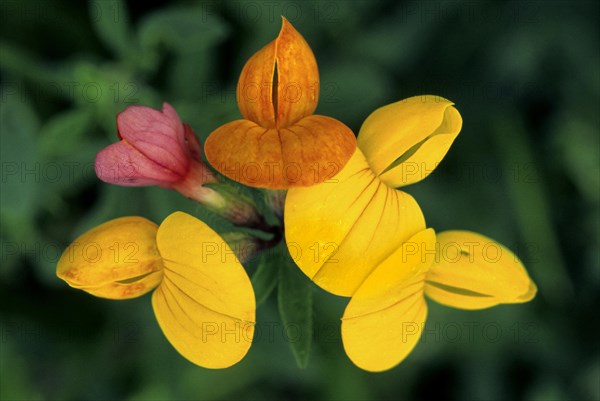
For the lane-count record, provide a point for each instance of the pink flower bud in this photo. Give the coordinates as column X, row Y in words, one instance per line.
column 156, row 148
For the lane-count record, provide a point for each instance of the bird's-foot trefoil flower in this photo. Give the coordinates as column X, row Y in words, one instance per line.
column 346, row 226
column 385, row 317
column 354, row 231
column 280, row 143
column 203, row 299
column 156, row 148
column 339, row 230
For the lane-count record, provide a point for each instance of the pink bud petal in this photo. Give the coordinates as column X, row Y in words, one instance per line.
column 193, row 144
column 157, row 135
column 122, row 164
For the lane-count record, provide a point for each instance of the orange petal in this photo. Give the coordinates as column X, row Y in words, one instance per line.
column 279, row 84
column 311, row 151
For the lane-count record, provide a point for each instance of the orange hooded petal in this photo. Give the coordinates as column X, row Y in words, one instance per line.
column 309, row 152
column 280, row 144
column 279, row 84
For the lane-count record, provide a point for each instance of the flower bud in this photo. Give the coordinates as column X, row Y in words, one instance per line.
column 156, row 148
column 118, row 259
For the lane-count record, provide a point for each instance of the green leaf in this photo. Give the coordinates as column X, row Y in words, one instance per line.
column 358, row 85
column 109, row 89
column 21, row 171
column 10, row 257
column 191, row 34
column 184, row 30
column 114, row 201
column 25, row 64
column 530, row 199
column 111, row 22
column 295, row 296
column 266, row 275
column 63, row 134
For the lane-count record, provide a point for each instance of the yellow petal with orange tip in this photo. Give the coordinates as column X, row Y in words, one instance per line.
column 279, row 84
column 405, row 141
column 309, row 152
column 127, row 289
column 205, row 304
column 338, row 231
column 472, row 271
column 117, row 260
column 385, row 317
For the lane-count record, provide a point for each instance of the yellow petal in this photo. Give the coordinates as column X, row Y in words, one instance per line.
column 126, row 290
column 279, row 84
column 118, row 259
column 205, row 305
column 472, row 271
column 338, row 231
column 308, row 152
column 384, row 319
column 405, row 141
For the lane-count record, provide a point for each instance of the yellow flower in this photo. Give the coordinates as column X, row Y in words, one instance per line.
column 280, row 143
column 356, row 236
column 338, row 231
column 202, row 299
column 385, row 317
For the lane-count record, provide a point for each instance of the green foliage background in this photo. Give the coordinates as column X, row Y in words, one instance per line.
column 525, row 170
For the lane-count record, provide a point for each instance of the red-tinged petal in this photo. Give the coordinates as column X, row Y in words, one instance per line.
column 309, row 152
column 123, row 164
column 192, row 143
column 158, row 135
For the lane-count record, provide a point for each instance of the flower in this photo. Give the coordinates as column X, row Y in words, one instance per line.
column 358, row 237
column 347, row 225
column 202, row 299
column 338, row 231
column 385, row 317
column 405, row 141
column 280, row 143
column 156, row 148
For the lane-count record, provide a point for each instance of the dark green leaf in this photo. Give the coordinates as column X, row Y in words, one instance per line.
column 109, row 89
column 184, row 30
column 21, row 171
column 266, row 275
column 63, row 134
column 111, row 22
column 528, row 194
column 23, row 64
column 357, row 85
column 295, row 296
column 113, row 201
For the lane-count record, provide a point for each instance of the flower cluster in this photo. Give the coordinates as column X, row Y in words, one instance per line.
column 333, row 193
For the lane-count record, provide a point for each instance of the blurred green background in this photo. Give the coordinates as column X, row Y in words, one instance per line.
column 525, row 170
